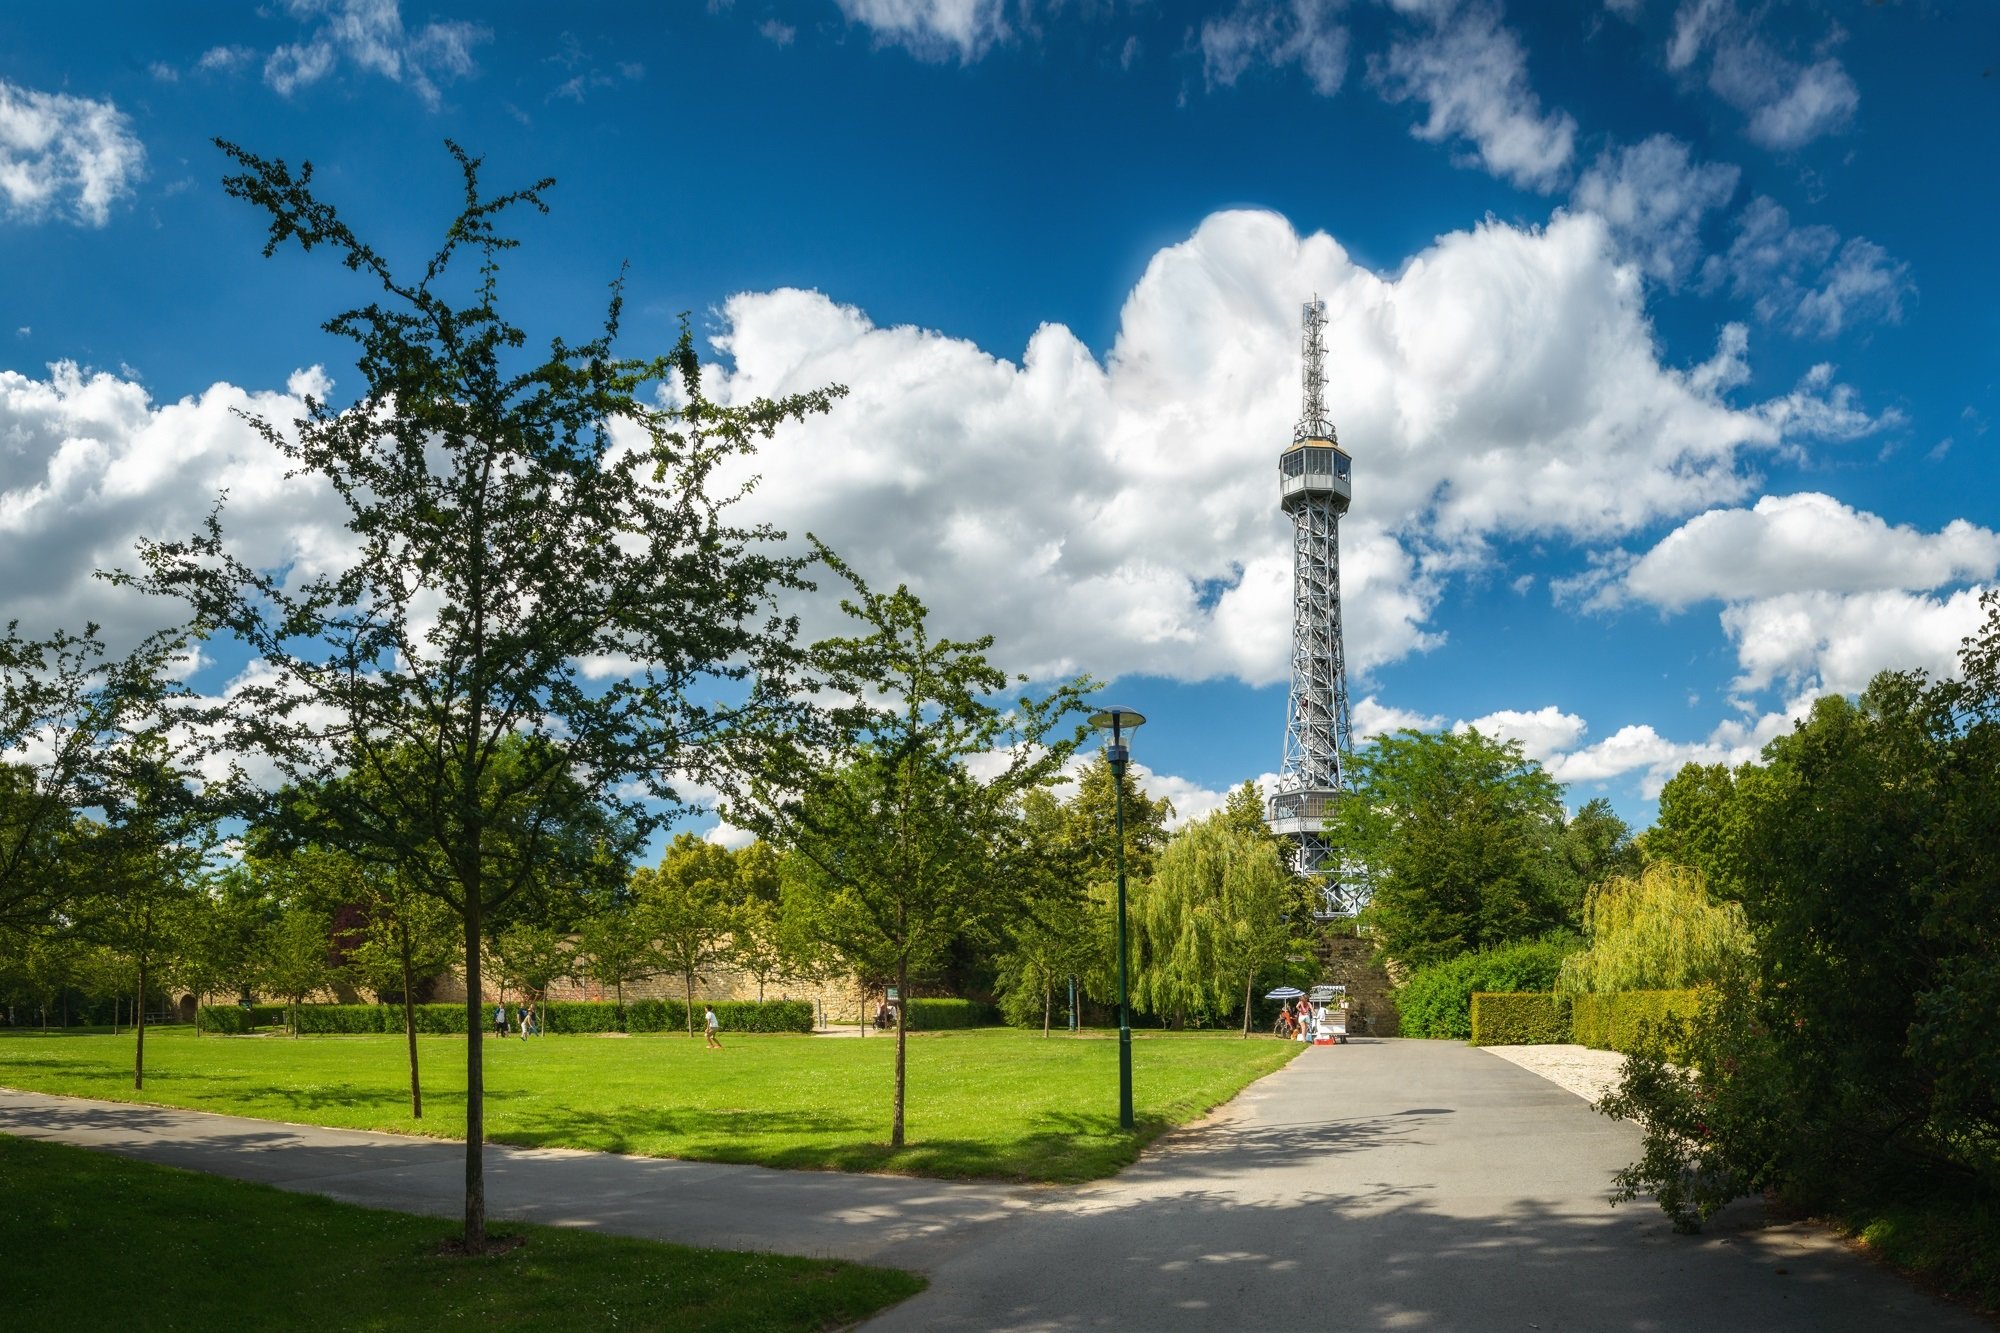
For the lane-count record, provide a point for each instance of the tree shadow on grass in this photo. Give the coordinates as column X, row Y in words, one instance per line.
column 693, row 1132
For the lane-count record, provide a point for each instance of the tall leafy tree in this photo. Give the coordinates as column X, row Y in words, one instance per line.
column 1657, row 930
column 613, row 947
column 689, row 910
column 1459, row 834
column 1054, row 932
column 72, row 722
column 516, row 517
column 409, row 937
column 891, row 827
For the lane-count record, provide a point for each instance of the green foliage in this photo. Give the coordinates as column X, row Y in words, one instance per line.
column 1856, row 1068
column 686, row 909
column 573, row 1016
column 1219, row 908
column 230, row 1019
column 940, row 1014
column 1460, row 837
column 1659, row 930
column 1530, row 1018
column 1620, row 1021
column 323, row 1019
column 513, row 517
column 891, row 832
column 657, row 1016
column 1436, row 1001
column 1699, row 825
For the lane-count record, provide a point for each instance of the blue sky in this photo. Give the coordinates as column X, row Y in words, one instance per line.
column 1662, row 332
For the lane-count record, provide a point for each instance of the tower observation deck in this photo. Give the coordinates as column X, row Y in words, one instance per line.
column 1314, row 487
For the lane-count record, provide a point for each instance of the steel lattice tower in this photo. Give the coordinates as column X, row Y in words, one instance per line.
column 1315, row 485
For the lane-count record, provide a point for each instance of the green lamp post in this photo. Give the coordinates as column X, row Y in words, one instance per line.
column 1116, row 722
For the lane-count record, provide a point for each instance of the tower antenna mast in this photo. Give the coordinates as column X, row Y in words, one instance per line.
column 1315, row 484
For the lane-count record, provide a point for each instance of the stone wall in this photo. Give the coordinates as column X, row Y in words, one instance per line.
column 1349, row 960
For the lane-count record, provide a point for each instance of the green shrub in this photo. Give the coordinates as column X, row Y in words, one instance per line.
column 436, row 1020
column 321, row 1019
column 1436, row 1001
column 229, row 1019
column 657, row 1016
column 936, row 1015
column 1615, row 1022
column 1529, row 1018
column 764, row 1015
column 571, row 1016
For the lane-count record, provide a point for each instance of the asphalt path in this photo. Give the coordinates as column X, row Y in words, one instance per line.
column 1378, row 1185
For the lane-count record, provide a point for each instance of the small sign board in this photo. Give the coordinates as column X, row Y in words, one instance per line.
column 893, row 996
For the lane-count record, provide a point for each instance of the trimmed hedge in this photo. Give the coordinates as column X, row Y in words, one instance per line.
column 573, row 1016
column 235, row 1020
column 229, row 1019
column 937, row 1015
column 1436, row 1001
column 1528, row 1018
column 567, row 1016
column 1612, row 1022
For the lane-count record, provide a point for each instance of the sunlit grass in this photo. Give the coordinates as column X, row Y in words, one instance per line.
column 991, row 1102
column 97, row 1241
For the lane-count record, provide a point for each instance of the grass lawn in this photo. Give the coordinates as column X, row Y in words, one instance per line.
column 96, row 1241
column 989, row 1102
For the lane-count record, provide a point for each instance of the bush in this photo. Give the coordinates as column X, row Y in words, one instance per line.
column 1615, row 1022
column 235, row 1020
column 321, row 1019
column 571, row 1016
column 1530, row 1018
column 657, row 1016
column 937, row 1015
column 1436, row 1001
column 230, row 1019
column 764, row 1015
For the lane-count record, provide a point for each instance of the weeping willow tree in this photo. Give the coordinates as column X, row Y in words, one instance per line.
column 1220, row 908
column 1658, row 930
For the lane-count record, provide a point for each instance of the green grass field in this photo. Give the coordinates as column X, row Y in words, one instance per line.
column 95, row 1241
column 988, row 1102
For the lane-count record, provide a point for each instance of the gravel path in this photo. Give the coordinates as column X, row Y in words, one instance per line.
column 1579, row 1069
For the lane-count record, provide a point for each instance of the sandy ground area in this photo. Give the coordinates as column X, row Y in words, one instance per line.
column 1579, row 1069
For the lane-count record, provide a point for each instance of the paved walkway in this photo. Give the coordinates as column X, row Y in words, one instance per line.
column 1379, row 1185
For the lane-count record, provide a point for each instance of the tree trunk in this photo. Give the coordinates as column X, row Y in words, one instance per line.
column 139, row 1019
column 902, row 1042
column 1048, row 1007
column 475, row 1088
column 1248, row 983
column 688, row 976
column 410, row 1024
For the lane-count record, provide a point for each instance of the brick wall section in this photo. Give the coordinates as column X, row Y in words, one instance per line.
column 1349, row 960
column 843, row 1000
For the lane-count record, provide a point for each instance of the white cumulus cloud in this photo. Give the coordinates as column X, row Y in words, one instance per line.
column 1787, row 103
column 1805, row 543
column 1653, row 195
column 64, row 156
column 935, row 30
column 1805, row 277
column 1277, row 33
column 1118, row 515
column 1471, row 74
column 370, row 36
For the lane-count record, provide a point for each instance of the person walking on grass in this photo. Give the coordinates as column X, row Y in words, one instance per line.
column 500, row 1019
column 711, row 1026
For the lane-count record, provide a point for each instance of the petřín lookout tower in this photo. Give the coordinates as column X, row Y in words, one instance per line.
column 1314, row 486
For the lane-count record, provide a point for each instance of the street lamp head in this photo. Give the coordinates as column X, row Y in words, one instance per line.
column 1117, row 721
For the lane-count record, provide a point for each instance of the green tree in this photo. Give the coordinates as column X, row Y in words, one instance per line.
column 1658, row 930
column 532, row 957
column 1053, row 932
column 71, row 721
column 892, row 831
column 1459, row 835
column 613, row 948
column 295, row 957
column 688, row 909
column 1596, row 845
column 515, row 518
column 409, row 937
column 1090, row 821
column 1698, row 824
column 1219, row 908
